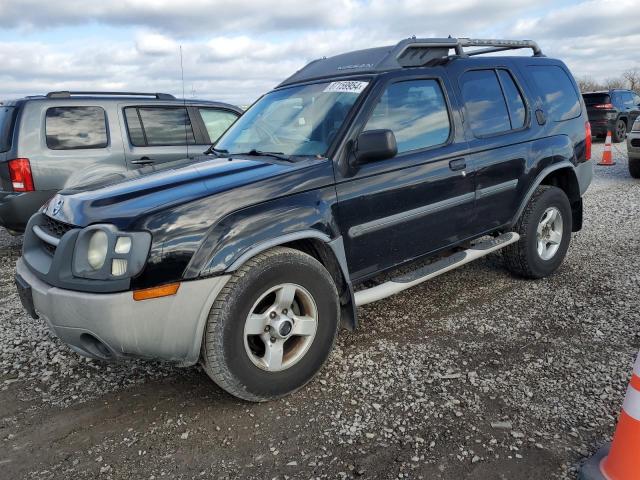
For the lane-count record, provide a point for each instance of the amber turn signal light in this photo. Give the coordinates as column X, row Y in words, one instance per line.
column 156, row 292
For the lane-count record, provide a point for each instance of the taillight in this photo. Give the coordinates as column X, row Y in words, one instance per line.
column 587, row 144
column 608, row 106
column 20, row 175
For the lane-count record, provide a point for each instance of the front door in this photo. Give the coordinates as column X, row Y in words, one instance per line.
column 421, row 200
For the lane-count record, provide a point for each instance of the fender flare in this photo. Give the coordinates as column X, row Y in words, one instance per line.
column 536, row 183
column 348, row 309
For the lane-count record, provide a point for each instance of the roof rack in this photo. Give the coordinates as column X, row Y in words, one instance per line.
column 411, row 52
column 68, row 94
column 418, row 52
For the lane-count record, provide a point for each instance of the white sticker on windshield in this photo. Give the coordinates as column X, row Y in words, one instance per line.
column 346, row 87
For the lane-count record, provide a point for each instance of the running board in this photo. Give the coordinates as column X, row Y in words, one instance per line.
column 408, row 280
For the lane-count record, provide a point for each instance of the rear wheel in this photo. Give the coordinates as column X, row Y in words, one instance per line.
column 545, row 232
column 634, row 167
column 272, row 327
column 620, row 132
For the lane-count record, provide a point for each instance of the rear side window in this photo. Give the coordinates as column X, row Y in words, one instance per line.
column 71, row 128
column 485, row 103
column 159, row 126
column 557, row 91
column 7, row 120
column 416, row 112
column 216, row 121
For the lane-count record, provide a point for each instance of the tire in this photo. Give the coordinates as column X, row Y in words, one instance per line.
column 522, row 258
column 634, row 167
column 232, row 359
column 620, row 132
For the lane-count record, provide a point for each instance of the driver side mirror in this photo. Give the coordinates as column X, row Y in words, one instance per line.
column 374, row 145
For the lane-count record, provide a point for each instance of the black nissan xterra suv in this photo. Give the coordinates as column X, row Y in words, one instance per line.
column 356, row 178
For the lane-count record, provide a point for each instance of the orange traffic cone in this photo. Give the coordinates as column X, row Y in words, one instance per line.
column 607, row 159
column 620, row 461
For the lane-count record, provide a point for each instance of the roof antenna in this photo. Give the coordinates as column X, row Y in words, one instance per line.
column 184, row 103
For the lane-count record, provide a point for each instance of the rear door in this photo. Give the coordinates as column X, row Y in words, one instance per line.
column 420, row 201
column 497, row 118
column 155, row 134
column 631, row 103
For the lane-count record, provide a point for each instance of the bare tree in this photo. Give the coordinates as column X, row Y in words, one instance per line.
column 611, row 83
column 588, row 84
column 632, row 77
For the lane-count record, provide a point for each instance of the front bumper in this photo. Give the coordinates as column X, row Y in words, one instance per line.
column 16, row 208
column 113, row 326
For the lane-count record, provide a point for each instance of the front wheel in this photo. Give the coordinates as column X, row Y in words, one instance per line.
column 545, row 232
column 272, row 327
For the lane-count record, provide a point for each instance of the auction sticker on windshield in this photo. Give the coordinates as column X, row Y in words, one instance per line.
column 346, row 87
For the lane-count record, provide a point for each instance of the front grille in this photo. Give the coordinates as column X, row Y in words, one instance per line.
column 635, row 142
column 56, row 228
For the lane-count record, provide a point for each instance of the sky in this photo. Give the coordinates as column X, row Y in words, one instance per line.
column 236, row 50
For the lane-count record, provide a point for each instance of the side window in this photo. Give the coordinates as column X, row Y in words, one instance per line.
column 557, row 91
column 415, row 111
column 71, row 128
column 159, row 126
column 636, row 100
column 515, row 102
column 485, row 103
column 216, row 121
column 627, row 98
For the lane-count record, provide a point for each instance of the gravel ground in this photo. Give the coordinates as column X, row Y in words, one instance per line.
column 474, row 375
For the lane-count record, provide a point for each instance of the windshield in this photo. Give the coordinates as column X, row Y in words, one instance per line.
column 301, row 120
column 6, row 127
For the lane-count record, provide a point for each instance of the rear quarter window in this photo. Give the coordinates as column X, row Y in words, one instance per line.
column 71, row 128
column 557, row 91
column 7, row 120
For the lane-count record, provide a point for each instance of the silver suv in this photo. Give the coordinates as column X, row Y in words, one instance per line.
column 54, row 141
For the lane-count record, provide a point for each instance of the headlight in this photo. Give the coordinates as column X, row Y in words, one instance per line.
column 102, row 252
column 97, row 251
column 636, row 125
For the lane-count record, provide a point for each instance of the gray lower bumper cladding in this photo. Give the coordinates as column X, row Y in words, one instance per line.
column 112, row 326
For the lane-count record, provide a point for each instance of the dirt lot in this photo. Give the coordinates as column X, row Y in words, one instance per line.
column 474, row 375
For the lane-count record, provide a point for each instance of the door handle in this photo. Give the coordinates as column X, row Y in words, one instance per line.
column 458, row 164
column 143, row 161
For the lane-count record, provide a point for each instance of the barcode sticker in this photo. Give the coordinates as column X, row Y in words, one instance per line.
column 346, row 87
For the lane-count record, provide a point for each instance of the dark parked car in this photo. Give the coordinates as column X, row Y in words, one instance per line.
column 356, row 178
column 612, row 111
column 52, row 141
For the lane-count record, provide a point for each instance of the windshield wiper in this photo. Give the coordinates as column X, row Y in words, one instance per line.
column 216, row 152
column 259, row 153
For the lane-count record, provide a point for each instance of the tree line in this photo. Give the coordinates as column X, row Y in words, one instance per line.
column 629, row 79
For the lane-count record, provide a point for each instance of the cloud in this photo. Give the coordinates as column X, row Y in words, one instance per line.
column 236, row 50
column 179, row 17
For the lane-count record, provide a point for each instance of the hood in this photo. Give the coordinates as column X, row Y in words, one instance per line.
column 121, row 198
